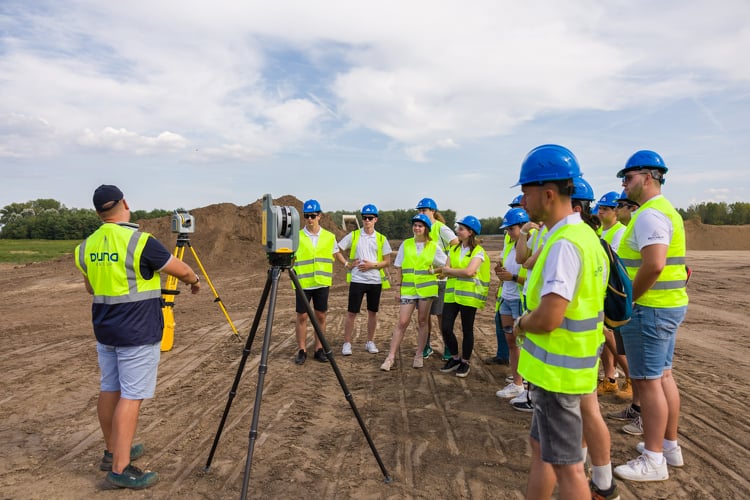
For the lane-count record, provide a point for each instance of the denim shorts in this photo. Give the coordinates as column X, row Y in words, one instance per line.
column 130, row 370
column 557, row 425
column 649, row 339
column 512, row 308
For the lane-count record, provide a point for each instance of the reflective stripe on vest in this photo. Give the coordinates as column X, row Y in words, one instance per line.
column 314, row 265
column 386, row 284
column 417, row 277
column 115, row 281
column 468, row 291
column 566, row 359
column 669, row 289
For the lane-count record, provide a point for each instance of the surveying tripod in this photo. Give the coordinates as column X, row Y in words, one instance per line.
column 170, row 292
column 280, row 262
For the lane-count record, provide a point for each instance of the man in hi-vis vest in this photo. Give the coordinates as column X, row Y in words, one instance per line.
column 121, row 267
column 653, row 251
column 562, row 332
column 313, row 264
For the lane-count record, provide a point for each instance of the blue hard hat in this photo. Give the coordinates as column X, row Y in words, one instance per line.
column 472, row 223
column 516, row 201
column 582, row 190
column 595, row 209
column 427, row 203
column 514, row 216
column 549, row 162
column 370, row 209
column 643, row 159
column 423, row 219
column 609, row 199
column 311, row 206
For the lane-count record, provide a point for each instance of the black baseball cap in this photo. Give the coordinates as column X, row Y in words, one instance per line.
column 105, row 194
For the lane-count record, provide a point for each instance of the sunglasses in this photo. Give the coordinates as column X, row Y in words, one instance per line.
column 311, row 215
column 622, row 204
column 368, row 217
column 629, row 177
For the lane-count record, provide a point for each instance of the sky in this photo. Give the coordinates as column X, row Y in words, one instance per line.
column 184, row 104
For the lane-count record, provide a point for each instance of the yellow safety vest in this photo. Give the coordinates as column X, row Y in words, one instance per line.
column 670, row 287
column 612, row 232
column 471, row 291
column 566, row 360
column 353, row 254
column 417, row 277
column 314, row 265
column 110, row 259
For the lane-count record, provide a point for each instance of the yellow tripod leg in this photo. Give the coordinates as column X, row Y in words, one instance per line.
column 216, row 294
column 168, row 294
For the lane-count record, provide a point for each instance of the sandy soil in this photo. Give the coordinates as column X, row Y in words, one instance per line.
column 437, row 435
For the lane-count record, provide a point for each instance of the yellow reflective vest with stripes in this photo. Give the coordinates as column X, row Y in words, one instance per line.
column 314, row 265
column 468, row 291
column 566, row 360
column 380, row 238
column 670, row 287
column 417, row 277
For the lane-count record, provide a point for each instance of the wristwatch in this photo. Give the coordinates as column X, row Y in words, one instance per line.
column 517, row 324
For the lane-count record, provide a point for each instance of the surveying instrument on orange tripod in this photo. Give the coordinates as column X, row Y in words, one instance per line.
column 280, row 239
column 183, row 224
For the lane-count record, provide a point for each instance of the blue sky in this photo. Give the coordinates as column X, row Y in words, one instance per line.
column 186, row 104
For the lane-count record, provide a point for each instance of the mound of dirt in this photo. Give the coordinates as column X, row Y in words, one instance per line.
column 707, row 237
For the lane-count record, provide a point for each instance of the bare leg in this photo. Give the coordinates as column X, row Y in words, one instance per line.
column 124, row 423
column 349, row 326
column 654, row 412
column 372, row 324
column 404, row 317
column 541, row 481
column 105, row 409
column 672, row 394
column 321, row 317
column 301, row 329
column 423, row 321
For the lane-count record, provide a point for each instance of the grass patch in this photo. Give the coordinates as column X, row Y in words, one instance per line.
column 26, row 251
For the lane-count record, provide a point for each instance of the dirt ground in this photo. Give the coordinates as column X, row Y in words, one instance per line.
column 437, row 435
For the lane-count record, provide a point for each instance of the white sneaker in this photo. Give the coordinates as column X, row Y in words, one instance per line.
column 673, row 456
column 418, row 361
column 521, row 398
column 642, row 469
column 346, row 350
column 387, row 364
column 510, row 391
column 371, row 347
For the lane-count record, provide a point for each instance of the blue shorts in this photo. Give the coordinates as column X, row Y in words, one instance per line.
column 130, row 370
column 511, row 307
column 557, row 425
column 649, row 339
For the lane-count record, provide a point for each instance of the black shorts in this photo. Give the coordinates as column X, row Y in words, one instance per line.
column 359, row 290
column 618, row 342
column 318, row 297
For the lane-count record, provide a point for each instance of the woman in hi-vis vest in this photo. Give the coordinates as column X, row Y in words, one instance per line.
column 416, row 259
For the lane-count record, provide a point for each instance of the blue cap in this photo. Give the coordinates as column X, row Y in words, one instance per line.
column 311, row 206
column 423, row 219
column 472, row 223
column 369, row 209
column 514, row 216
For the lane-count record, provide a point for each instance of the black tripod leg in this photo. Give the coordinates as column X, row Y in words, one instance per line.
column 342, row 383
column 262, row 369
column 241, row 368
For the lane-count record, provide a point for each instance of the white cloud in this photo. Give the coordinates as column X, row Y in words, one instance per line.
column 122, row 140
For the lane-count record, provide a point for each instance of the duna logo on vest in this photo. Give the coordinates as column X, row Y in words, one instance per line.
column 104, row 256
column 618, row 301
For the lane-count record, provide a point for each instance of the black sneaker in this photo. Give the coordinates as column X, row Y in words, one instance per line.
column 320, row 356
column 463, row 370
column 611, row 494
column 301, row 357
column 136, row 451
column 524, row 406
column 450, row 365
column 134, row 478
column 494, row 360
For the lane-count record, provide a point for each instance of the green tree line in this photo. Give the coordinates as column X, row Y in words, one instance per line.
column 48, row 219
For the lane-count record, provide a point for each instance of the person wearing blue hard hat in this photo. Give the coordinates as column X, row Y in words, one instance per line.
column 653, row 249
column 369, row 257
column 625, row 208
column 445, row 237
column 583, row 196
column 516, row 202
column 562, row 332
column 313, row 264
column 468, row 273
column 416, row 259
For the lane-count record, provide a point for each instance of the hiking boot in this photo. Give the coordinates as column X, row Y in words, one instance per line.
column 418, row 362
column 634, row 428
column 134, row 478
column 494, row 360
column 598, row 494
column 427, row 351
column 387, row 365
column 463, row 370
column 450, row 365
column 642, row 469
column 300, row 357
column 673, row 456
column 371, row 347
column 346, row 349
column 320, row 356
column 626, row 391
column 606, row 387
column 136, row 452
column 510, row 391
column 626, row 414
column 521, row 398
column 447, row 354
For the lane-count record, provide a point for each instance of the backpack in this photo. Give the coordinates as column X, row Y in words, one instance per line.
column 618, row 301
